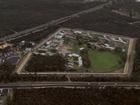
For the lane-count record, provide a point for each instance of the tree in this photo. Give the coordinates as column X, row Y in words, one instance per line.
column 129, row 5
column 118, row 49
column 39, row 63
column 85, row 58
column 6, row 70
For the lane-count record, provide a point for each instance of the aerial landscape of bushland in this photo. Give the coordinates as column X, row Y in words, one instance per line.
column 66, row 96
column 17, row 15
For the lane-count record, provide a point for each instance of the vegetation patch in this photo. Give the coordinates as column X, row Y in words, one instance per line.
column 104, row 61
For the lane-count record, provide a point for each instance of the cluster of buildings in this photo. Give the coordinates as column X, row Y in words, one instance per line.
column 103, row 41
column 51, row 46
column 8, row 52
column 12, row 53
column 74, row 60
column 26, row 46
column 57, row 44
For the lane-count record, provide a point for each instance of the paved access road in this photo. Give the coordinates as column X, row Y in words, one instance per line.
column 130, row 57
column 53, row 22
column 25, row 85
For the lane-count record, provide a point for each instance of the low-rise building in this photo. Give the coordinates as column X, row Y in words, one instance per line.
column 5, row 45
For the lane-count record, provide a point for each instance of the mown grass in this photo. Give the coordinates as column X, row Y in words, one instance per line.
column 104, row 61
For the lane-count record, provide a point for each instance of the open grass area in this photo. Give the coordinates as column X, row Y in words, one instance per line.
column 76, row 48
column 104, row 61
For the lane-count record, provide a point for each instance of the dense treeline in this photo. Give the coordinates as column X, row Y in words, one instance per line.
column 137, row 57
column 105, row 21
column 136, row 71
column 6, row 70
column 23, row 78
column 37, row 37
column 17, row 15
column 39, row 63
column 131, row 7
column 87, row 96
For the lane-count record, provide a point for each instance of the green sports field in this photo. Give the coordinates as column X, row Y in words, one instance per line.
column 104, row 61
